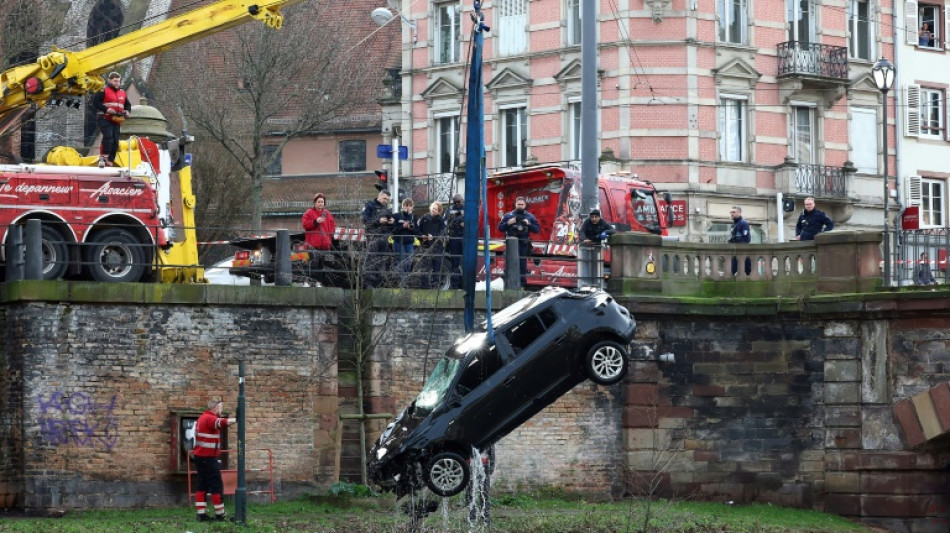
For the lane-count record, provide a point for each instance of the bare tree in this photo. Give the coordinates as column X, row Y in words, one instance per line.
column 252, row 89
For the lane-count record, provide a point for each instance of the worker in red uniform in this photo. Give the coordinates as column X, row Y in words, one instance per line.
column 207, row 451
column 112, row 108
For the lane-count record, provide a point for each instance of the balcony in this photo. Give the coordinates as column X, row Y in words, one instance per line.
column 819, row 181
column 813, row 61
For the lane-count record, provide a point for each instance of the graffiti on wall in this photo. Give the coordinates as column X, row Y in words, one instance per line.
column 77, row 419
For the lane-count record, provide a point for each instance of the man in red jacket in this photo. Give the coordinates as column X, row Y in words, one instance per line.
column 207, row 451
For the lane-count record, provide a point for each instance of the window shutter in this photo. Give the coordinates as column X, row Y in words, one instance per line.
column 946, row 28
column 914, row 193
column 911, row 27
column 912, row 110
column 946, row 110
column 864, row 140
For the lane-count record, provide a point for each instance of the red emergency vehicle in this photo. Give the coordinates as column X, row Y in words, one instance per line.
column 553, row 195
column 102, row 224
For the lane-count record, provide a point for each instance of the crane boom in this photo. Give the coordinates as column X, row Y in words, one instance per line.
column 63, row 76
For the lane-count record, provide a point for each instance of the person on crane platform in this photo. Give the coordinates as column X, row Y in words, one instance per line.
column 207, row 462
column 112, row 108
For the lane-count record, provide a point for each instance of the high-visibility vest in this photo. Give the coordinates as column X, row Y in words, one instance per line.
column 208, row 434
column 114, row 99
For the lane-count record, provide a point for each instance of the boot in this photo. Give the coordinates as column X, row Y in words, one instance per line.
column 203, row 517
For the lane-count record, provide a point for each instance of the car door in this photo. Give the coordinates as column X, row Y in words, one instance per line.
column 540, row 369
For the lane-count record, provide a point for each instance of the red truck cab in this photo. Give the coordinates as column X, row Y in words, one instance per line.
column 553, row 196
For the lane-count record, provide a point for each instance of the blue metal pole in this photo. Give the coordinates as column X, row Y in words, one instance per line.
column 474, row 155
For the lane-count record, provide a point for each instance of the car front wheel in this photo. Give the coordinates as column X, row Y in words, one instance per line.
column 606, row 363
column 447, row 474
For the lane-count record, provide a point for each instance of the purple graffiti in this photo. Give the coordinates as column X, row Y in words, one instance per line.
column 77, row 419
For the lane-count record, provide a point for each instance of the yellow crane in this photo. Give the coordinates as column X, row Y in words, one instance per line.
column 63, row 76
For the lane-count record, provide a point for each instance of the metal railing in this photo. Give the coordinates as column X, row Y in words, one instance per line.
column 812, row 59
column 909, row 267
column 822, row 181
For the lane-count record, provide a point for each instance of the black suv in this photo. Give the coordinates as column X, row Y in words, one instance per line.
column 480, row 391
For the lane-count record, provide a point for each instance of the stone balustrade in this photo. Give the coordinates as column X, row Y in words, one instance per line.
column 839, row 261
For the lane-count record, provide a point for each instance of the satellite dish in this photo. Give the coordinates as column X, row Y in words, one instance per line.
column 381, row 16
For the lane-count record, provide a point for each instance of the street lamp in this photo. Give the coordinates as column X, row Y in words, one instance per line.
column 883, row 73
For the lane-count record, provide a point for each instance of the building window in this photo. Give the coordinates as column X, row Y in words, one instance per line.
column 574, row 116
column 733, row 127
column 352, row 156
column 860, row 29
column 448, row 41
column 863, row 131
column 801, row 21
column 931, row 202
column 573, row 22
column 514, row 136
column 732, row 20
column 931, row 113
column 803, row 135
column 272, row 160
column 928, row 35
column 512, row 23
column 446, row 144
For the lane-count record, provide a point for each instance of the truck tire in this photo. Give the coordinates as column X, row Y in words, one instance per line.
column 55, row 253
column 115, row 255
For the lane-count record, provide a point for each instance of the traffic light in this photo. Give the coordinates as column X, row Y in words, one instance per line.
column 383, row 180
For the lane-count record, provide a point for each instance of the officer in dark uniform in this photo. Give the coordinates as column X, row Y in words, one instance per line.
column 455, row 229
column 520, row 224
column 812, row 222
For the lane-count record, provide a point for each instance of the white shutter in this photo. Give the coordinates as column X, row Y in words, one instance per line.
column 946, row 28
column 912, row 110
column 513, row 23
column 911, row 27
column 946, row 117
column 914, row 193
column 864, row 140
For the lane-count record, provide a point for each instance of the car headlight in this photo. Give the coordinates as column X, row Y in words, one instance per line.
column 380, row 453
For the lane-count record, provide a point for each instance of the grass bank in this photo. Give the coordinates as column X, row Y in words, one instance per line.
column 510, row 514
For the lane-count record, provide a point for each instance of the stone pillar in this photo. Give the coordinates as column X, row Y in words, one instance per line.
column 849, row 261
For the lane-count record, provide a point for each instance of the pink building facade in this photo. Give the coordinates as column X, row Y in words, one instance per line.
column 721, row 102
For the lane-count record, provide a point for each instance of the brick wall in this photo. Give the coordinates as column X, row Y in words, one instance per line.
column 790, row 405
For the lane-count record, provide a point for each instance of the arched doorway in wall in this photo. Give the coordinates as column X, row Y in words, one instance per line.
column 105, row 21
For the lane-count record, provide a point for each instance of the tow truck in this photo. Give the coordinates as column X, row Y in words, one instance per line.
column 135, row 220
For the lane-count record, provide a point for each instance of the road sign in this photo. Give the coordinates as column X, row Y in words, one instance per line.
column 385, row 151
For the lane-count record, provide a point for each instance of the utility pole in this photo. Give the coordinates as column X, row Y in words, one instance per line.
column 589, row 139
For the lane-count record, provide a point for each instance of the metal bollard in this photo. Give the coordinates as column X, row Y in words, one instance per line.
column 14, row 254
column 33, row 238
column 590, row 266
column 512, row 267
column 282, row 274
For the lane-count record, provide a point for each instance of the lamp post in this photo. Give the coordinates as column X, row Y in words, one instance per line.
column 883, row 73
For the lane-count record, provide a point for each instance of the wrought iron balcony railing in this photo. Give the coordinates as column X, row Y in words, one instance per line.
column 812, row 59
column 822, row 181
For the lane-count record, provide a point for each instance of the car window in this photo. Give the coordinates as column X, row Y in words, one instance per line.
column 478, row 369
column 521, row 335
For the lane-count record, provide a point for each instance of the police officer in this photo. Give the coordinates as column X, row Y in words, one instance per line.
column 741, row 234
column 812, row 222
column 378, row 221
column 455, row 229
column 520, row 224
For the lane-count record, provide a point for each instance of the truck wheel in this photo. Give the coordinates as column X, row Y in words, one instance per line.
column 115, row 255
column 606, row 363
column 55, row 253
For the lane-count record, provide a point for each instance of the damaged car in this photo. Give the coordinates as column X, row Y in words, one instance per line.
column 544, row 345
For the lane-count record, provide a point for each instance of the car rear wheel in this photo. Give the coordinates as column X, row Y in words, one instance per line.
column 447, row 474
column 606, row 363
